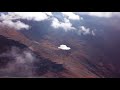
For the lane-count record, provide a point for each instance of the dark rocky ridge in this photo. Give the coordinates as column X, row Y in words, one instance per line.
column 40, row 65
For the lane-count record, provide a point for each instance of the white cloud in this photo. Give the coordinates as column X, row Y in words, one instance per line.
column 17, row 25
column 49, row 13
column 7, row 19
column 81, row 18
column 66, row 25
column 37, row 16
column 64, row 47
column 100, row 14
column 86, row 31
column 23, row 62
column 71, row 15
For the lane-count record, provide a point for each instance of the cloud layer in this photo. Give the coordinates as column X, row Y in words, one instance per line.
column 58, row 20
column 9, row 18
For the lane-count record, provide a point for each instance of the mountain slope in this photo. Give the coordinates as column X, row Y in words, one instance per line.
column 43, row 66
column 89, row 55
column 35, row 53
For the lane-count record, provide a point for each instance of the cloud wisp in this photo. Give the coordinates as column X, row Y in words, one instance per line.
column 20, row 63
column 86, row 31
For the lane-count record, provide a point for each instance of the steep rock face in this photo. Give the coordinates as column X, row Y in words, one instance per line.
column 6, row 44
column 13, row 34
